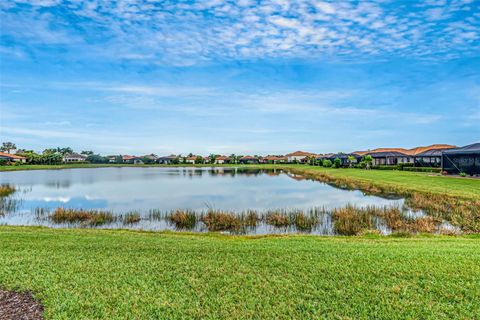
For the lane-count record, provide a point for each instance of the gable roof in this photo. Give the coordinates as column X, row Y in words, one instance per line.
column 299, row 154
column 403, row 151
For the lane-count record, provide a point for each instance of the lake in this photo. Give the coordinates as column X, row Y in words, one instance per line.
column 161, row 189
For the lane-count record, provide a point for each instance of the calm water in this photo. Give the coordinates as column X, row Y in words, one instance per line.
column 123, row 190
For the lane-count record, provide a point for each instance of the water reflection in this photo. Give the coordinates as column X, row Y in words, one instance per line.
column 122, row 190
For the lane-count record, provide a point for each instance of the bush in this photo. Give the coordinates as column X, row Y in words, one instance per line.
column 327, row 163
column 463, row 174
column 423, row 169
column 384, row 167
column 337, row 163
column 401, row 166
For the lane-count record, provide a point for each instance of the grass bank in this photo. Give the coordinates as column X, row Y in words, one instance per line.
column 100, row 274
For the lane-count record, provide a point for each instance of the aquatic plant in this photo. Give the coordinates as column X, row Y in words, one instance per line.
column 221, row 221
column 304, row 222
column 351, row 221
column 86, row 217
column 131, row 218
column 183, row 219
column 6, row 190
column 278, row 219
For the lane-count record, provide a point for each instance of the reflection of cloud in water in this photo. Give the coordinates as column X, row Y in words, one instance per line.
column 125, row 189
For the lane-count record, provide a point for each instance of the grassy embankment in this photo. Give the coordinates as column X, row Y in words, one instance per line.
column 100, row 274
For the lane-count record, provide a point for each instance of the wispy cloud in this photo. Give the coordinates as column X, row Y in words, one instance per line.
column 186, row 33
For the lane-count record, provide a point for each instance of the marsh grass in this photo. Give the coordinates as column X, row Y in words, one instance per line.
column 183, row 219
column 221, row 221
column 6, row 190
column 131, row 218
column 278, row 219
column 84, row 217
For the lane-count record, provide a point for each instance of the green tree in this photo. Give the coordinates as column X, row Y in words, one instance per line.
column 7, row 146
column 351, row 160
column 199, row 160
column 87, row 153
column 368, row 159
column 327, row 163
column 212, row 158
column 337, row 163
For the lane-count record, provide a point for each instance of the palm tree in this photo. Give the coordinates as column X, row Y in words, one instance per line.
column 351, row 159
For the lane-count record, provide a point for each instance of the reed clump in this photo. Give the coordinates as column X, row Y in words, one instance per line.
column 278, row 219
column 6, row 190
column 87, row 217
column 304, row 222
column 221, row 221
column 351, row 221
column 131, row 218
column 183, row 219
column 250, row 219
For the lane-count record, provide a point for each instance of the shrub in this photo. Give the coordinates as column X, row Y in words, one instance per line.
column 384, row 167
column 401, row 166
column 463, row 174
column 327, row 163
column 337, row 163
column 423, row 169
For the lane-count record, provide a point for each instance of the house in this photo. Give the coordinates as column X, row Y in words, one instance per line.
column 395, row 156
column 248, row 160
column 222, row 160
column 274, row 159
column 344, row 158
column 388, row 158
column 298, row 156
column 136, row 160
column 431, row 155
column 465, row 159
column 167, row 159
column 128, row 159
column 190, row 160
column 12, row 157
column 74, row 157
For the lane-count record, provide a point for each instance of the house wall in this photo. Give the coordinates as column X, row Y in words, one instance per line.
column 296, row 158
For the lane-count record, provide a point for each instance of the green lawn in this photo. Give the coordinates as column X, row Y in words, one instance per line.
column 413, row 181
column 98, row 274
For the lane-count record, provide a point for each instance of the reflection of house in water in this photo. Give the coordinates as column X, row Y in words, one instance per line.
column 295, row 176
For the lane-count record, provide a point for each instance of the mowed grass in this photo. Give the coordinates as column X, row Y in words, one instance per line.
column 100, row 274
column 465, row 188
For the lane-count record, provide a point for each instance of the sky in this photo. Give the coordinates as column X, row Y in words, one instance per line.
column 244, row 76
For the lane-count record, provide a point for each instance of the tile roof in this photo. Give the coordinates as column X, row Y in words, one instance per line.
column 12, row 156
column 300, row 154
column 409, row 152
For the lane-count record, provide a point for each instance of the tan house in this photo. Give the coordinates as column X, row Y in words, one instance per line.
column 190, row 160
column 222, row 160
column 298, row 156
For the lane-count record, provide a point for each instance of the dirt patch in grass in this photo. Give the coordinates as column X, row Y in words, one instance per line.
column 19, row 306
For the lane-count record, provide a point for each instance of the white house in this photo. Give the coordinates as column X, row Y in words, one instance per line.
column 298, row 156
column 74, row 157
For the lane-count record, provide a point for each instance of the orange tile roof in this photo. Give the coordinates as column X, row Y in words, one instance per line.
column 300, row 154
column 13, row 156
column 222, row 158
column 410, row 152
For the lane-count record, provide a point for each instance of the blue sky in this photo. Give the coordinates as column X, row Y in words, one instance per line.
column 245, row 76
